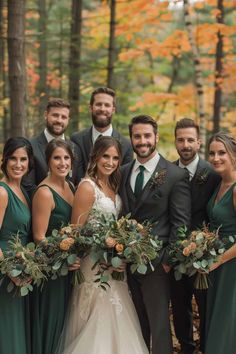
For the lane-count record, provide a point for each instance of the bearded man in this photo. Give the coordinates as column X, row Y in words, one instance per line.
column 102, row 106
column 156, row 190
column 57, row 117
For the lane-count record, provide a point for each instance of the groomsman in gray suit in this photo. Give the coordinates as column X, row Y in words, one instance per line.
column 154, row 189
column 57, row 117
column 102, row 106
column 203, row 181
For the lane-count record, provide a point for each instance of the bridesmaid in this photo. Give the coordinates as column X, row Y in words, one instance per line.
column 52, row 205
column 221, row 302
column 15, row 217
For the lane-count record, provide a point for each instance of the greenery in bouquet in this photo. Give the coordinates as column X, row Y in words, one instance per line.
column 24, row 266
column 195, row 253
column 62, row 248
column 123, row 240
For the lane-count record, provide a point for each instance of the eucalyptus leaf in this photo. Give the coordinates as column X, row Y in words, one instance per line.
column 116, row 262
column 31, row 246
column 15, row 272
column 54, row 232
column 71, row 259
column 104, row 278
column 24, row 291
column 133, row 268
column 56, row 266
column 142, row 269
column 204, row 263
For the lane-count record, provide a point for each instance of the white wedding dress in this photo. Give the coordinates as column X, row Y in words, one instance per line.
column 98, row 321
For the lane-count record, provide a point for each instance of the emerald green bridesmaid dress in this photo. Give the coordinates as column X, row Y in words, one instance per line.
column 14, row 310
column 221, row 299
column 48, row 307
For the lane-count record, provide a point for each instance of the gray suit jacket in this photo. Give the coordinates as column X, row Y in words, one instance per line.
column 83, row 140
column 202, row 185
column 40, row 170
column 167, row 204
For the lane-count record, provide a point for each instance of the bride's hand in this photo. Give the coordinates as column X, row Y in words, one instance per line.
column 121, row 268
column 76, row 265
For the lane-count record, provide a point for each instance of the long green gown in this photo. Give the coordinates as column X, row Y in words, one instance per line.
column 221, row 301
column 14, row 310
column 48, row 307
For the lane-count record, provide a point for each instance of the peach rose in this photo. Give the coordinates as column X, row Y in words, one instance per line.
column 110, row 242
column 66, row 243
column 119, row 247
column 186, row 251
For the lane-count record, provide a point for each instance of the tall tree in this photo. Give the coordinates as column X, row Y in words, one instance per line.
column 198, row 74
column 42, row 87
column 16, row 64
column 74, row 62
column 218, row 69
column 3, row 72
column 111, row 48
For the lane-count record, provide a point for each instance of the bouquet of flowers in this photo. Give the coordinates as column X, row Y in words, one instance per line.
column 123, row 240
column 195, row 253
column 62, row 248
column 24, row 265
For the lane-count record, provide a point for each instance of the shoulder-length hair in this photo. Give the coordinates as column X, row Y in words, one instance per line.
column 102, row 144
column 11, row 145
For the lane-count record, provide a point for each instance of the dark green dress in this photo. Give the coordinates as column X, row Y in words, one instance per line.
column 49, row 305
column 14, row 311
column 221, row 301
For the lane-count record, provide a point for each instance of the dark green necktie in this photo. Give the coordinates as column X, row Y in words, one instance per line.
column 139, row 181
column 189, row 176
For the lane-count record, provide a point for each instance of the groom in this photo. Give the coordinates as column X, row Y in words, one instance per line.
column 154, row 189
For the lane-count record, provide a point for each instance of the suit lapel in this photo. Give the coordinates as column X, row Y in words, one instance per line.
column 88, row 144
column 127, row 194
column 42, row 147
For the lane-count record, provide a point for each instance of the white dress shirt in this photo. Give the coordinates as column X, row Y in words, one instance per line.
column 50, row 137
column 191, row 167
column 96, row 133
column 150, row 167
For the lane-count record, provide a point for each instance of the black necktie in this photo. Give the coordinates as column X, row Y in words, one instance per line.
column 189, row 176
column 139, row 181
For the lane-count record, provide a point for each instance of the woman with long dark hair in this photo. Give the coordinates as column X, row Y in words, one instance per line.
column 15, row 219
column 98, row 321
column 52, row 206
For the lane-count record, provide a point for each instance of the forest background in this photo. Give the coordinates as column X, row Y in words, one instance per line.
column 170, row 59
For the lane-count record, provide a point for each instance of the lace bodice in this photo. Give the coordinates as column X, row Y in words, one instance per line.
column 103, row 203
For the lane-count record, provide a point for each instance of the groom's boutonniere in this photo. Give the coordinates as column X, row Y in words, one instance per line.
column 202, row 176
column 158, row 178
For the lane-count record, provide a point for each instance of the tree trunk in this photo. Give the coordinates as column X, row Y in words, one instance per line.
column 74, row 62
column 5, row 127
column 218, row 70
column 42, row 87
column 198, row 76
column 16, row 60
column 111, row 49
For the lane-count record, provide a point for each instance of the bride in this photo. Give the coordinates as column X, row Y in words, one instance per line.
column 98, row 321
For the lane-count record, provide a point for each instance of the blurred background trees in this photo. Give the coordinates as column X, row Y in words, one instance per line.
column 169, row 59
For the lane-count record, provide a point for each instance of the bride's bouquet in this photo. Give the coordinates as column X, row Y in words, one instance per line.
column 24, row 266
column 195, row 253
column 116, row 242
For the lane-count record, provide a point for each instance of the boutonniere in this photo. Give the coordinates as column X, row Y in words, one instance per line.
column 158, row 178
column 202, row 176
